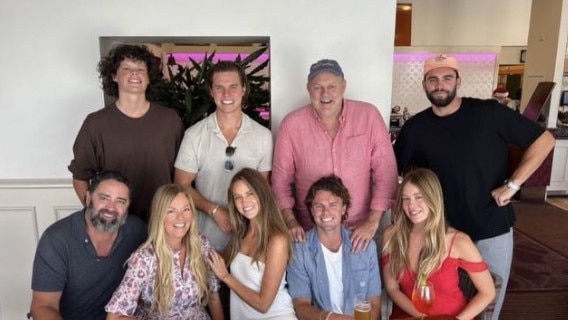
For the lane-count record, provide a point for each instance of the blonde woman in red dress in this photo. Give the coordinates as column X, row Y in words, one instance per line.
column 421, row 245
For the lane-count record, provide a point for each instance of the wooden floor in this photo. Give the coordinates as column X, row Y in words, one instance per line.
column 538, row 305
column 561, row 202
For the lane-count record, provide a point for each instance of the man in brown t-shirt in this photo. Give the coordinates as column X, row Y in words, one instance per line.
column 133, row 136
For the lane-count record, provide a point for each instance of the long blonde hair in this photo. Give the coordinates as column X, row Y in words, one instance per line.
column 269, row 220
column 164, row 286
column 434, row 250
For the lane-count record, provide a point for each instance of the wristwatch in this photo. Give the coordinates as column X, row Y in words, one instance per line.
column 511, row 185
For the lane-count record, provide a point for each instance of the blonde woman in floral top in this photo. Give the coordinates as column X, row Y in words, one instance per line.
column 168, row 277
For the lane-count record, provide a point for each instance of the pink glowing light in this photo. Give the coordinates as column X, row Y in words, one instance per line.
column 461, row 57
column 183, row 58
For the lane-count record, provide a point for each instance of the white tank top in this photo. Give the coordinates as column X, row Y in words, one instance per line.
column 250, row 274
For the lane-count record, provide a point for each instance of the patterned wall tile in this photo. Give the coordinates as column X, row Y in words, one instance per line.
column 478, row 72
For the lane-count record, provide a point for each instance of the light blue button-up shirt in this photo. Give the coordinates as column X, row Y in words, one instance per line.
column 307, row 275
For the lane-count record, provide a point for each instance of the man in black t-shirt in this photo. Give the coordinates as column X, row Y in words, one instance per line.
column 464, row 141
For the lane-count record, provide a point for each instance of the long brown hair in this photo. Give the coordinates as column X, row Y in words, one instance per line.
column 269, row 220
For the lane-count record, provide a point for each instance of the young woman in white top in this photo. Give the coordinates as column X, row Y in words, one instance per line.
column 257, row 253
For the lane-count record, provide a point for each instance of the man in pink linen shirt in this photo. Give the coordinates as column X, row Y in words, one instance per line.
column 334, row 135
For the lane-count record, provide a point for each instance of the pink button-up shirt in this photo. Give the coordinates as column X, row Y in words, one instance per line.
column 361, row 155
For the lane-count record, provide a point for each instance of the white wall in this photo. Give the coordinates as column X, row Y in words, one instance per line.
column 546, row 52
column 49, row 82
column 511, row 55
column 27, row 208
column 48, row 79
column 470, row 23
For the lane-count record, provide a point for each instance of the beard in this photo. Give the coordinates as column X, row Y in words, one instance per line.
column 101, row 224
column 441, row 102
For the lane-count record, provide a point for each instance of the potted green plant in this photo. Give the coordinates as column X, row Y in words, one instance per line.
column 186, row 90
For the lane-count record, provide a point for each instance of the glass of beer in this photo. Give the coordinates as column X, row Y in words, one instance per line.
column 362, row 307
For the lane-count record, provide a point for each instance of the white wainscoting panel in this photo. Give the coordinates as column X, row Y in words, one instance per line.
column 62, row 212
column 559, row 175
column 27, row 208
column 18, row 238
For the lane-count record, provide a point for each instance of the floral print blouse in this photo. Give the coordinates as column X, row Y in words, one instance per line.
column 135, row 294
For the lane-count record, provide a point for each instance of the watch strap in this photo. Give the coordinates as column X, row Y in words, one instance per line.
column 511, row 185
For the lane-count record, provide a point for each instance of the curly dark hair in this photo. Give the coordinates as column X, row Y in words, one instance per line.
column 109, row 64
column 230, row 66
column 333, row 184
